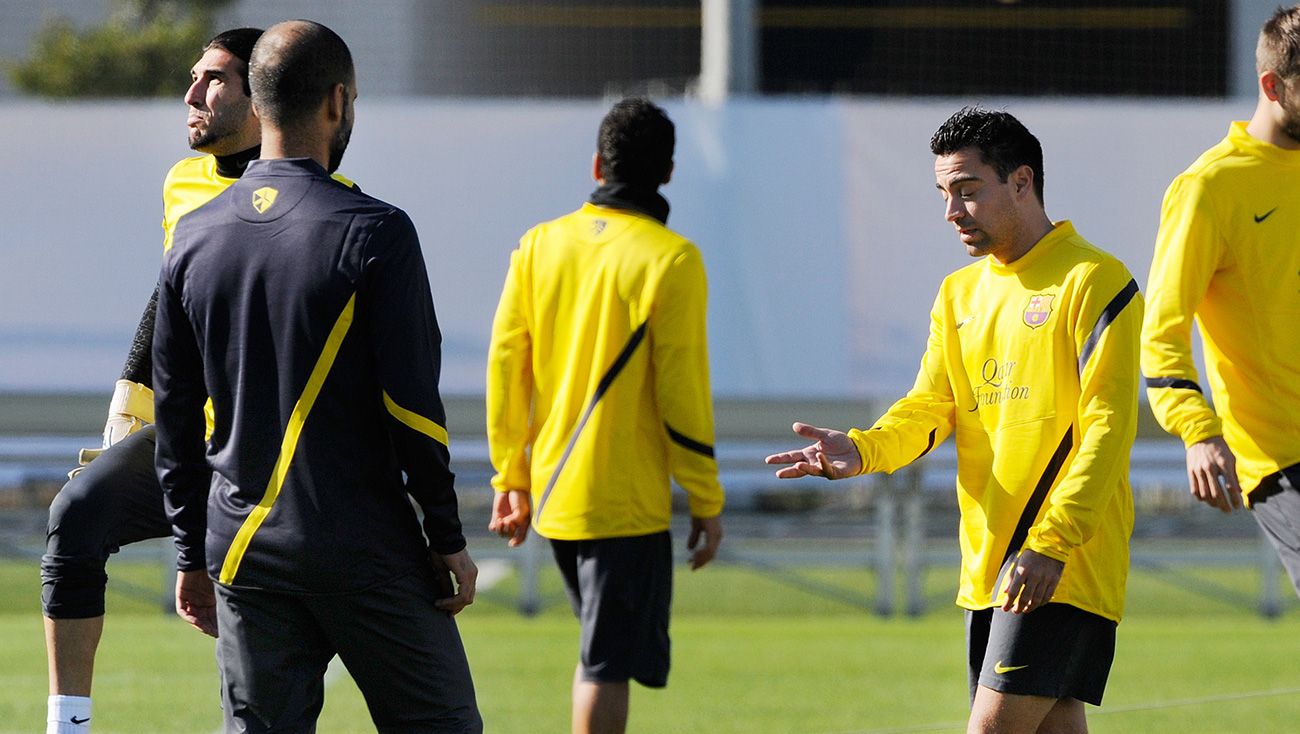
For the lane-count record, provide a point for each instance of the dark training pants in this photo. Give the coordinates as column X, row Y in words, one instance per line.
column 405, row 656
column 114, row 501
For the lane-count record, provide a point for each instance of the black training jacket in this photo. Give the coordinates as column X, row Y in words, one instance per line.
column 302, row 307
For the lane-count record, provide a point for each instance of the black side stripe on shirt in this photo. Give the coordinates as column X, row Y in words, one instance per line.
column 933, row 432
column 689, row 443
column 1178, row 383
column 601, row 388
column 1108, row 315
column 1044, row 485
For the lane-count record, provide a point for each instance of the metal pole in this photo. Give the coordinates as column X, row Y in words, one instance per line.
column 886, row 504
column 728, row 49
column 914, row 543
column 530, row 597
column 1270, row 604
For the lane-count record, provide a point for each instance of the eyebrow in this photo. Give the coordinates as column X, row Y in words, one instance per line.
column 956, row 181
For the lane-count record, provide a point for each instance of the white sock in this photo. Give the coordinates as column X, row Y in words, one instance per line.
column 68, row 715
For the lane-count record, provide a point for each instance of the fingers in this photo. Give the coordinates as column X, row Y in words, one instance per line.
column 701, row 557
column 710, row 530
column 827, row 469
column 787, row 457
column 1032, row 582
column 200, row 617
column 1015, row 585
column 813, row 432
column 453, row 605
column 459, row 566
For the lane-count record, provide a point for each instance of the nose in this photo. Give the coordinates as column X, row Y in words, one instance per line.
column 194, row 96
column 954, row 209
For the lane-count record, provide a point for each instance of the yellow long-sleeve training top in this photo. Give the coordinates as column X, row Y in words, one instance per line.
column 1228, row 253
column 1034, row 366
column 598, row 376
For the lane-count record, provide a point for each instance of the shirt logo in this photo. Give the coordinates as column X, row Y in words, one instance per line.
column 598, row 226
column 1261, row 217
column 1039, row 308
column 1001, row 669
column 965, row 321
column 263, row 198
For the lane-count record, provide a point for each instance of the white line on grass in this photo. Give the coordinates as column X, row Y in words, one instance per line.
column 1099, row 711
column 490, row 573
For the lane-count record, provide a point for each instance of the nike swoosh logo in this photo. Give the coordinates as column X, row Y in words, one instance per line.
column 1001, row 669
column 75, row 720
column 965, row 321
column 1261, row 217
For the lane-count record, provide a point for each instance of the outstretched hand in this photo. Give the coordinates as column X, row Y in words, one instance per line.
column 196, row 602
column 833, row 456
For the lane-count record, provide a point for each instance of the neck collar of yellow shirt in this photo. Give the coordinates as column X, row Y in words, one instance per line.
column 1252, row 145
column 1061, row 230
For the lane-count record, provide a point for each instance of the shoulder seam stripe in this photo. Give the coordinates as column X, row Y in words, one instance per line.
column 288, row 444
column 1177, row 383
column 1108, row 315
column 605, row 381
column 689, row 443
column 416, row 422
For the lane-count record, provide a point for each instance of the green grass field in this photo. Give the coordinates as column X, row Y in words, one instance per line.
column 751, row 654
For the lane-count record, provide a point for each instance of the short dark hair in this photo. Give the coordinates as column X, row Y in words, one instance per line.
column 1278, row 49
column 293, row 67
column 1003, row 142
column 635, row 143
column 237, row 42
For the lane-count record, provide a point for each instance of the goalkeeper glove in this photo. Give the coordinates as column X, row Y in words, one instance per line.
column 128, row 412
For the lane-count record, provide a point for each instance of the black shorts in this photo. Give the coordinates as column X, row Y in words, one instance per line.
column 621, row 591
column 1057, row 651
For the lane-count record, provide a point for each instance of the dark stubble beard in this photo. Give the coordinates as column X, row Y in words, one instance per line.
column 340, row 142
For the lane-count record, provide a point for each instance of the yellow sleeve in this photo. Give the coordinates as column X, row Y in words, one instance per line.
column 510, row 382
column 923, row 418
column 1106, row 339
column 1188, row 251
column 680, row 354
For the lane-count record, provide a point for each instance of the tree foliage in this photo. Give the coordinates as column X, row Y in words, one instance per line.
column 142, row 50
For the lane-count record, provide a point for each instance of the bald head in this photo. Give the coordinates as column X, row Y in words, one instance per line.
column 295, row 66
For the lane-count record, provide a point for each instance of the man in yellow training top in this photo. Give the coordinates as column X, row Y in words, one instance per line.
column 1228, row 255
column 1032, row 364
column 597, row 392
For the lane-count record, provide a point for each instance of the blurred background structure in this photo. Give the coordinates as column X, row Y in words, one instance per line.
column 803, row 172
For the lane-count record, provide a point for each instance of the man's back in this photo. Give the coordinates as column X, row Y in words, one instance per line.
column 300, row 291
column 604, row 309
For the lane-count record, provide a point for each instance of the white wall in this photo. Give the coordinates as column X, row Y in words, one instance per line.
column 819, row 222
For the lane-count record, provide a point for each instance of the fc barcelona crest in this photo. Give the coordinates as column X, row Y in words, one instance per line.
column 1038, row 310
